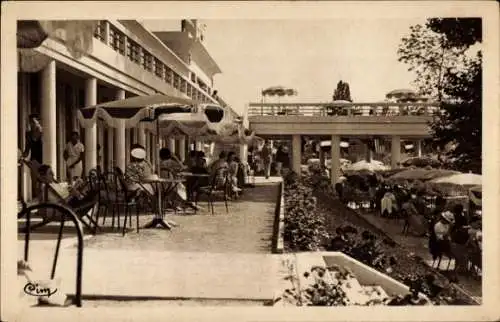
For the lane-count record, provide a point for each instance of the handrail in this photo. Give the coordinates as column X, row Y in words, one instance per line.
column 66, row 213
column 343, row 109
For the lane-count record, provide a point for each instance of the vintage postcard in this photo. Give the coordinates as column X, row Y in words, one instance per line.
column 273, row 161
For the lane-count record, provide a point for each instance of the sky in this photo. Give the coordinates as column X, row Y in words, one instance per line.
column 310, row 56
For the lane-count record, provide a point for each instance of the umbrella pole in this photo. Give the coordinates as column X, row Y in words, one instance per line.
column 157, row 152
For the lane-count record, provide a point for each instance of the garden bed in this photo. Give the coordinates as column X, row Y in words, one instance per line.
column 313, row 218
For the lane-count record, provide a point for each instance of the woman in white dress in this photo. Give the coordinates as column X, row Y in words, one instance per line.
column 73, row 154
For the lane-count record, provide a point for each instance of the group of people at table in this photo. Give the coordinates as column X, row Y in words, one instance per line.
column 140, row 170
column 191, row 175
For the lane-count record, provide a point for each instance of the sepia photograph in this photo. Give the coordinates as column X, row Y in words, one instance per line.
column 254, row 158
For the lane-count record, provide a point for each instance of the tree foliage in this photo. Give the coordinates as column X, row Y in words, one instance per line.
column 342, row 92
column 439, row 55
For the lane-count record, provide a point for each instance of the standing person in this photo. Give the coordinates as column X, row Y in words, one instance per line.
column 73, row 154
column 267, row 157
column 34, row 143
column 282, row 159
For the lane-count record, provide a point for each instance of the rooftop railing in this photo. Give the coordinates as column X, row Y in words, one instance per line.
column 343, row 109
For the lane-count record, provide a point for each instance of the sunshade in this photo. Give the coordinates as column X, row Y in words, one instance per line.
column 400, row 93
column 374, row 165
column 30, row 34
column 422, row 174
column 476, row 195
column 184, row 124
column 448, row 189
column 464, row 179
column 421, row 162
column 135, row 109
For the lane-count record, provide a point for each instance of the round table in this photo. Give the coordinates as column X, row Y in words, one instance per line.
column 159, row 219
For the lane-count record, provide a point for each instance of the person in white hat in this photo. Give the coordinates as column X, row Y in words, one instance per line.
column 137, row 170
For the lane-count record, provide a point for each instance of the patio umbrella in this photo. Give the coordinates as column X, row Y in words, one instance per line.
column 476, row 195
column 421, row 162
column 401, row 93
column 374, row 165
column 463, row 179
column 422, row 174
column 448, row 189
column 184, row 124
column 133, row 110
column 30, row 34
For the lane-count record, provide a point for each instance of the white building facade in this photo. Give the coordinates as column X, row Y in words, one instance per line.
column 124, row 59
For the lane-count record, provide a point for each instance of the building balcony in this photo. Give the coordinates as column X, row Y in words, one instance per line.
column 358, row 119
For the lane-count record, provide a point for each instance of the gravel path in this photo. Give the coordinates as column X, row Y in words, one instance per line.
column 247, row 228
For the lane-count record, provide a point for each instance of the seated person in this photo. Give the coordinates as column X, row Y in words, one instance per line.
column 233, row 166
column 200, row 167
column 75, row 195
column 170, row 167
column 137, row 170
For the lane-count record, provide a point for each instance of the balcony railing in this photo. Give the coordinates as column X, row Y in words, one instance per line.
column 343, row 109
column 116, row 39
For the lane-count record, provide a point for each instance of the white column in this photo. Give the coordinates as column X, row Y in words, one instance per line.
column 49, row 114
column 120, row 145
column 335, row 162
column 111, row 138
column 127, row 146
column 100, row 141
column 182, row 148
column 119, row 138
column 395, row 151
column 243, row 152
column 296, row 154
column 171, row 145
column 90, row 132
column 141, row 135
column 321, row 157
column 419, row 148
column 368, row 153
column 199, row 146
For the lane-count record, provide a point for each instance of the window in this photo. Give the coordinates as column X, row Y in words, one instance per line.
column 159, row 67
column 147, row 63
column 117, row 40
column 133, row 51
column 189, row 90
column 177, row 81
column 168, row 75
column 100, row 30
column 183, row 85
column 193, row 77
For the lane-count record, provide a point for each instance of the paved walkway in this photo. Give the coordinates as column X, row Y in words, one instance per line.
column 225, row 256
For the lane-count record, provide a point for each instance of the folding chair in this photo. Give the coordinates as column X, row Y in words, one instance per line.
column 82, row 209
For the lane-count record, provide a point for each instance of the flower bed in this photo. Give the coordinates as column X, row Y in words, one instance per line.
column 304, row 229
column 312, row 221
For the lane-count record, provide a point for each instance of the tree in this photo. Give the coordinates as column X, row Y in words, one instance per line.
column 342, row 92
column 439, row 54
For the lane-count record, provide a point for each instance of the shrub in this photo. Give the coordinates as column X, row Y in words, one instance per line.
column 304, row 226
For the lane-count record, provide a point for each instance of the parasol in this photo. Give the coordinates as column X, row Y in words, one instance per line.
column 184, row 124
column 374, row 165
column 127, row 113
column 422, row 174
column 421, row 162
column 463, row 179
column 447, row 189
column 401, row 93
